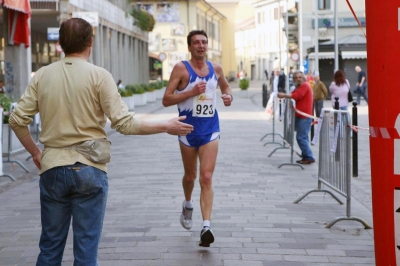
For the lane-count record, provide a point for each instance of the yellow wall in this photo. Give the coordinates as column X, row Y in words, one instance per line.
column 227, row 36
column 223, row 53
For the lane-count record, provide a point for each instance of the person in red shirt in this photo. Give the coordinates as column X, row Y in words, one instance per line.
column 303, row 96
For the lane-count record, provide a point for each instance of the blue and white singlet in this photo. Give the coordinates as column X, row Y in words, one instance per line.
column 200, row 111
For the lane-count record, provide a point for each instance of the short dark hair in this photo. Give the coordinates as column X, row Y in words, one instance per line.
column 195, row 32
column 75, row 35
column 339, row 77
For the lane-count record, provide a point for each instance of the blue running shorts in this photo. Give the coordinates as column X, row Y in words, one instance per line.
column 197, row 141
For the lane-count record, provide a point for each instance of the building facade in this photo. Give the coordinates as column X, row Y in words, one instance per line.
column 278, row 49
column 350, row 38
column 119, row 46
column 174, row 20
column 245, row 39
column 272, row 46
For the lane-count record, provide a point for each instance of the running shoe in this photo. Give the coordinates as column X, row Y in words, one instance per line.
column 206, row 237
column 186, row 216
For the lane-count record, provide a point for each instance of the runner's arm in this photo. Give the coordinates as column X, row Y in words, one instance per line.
column 224, row 85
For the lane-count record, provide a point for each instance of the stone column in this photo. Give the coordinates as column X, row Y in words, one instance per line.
column 18, row 65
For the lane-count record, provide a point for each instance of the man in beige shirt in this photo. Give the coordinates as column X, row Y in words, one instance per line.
column 320, row 92
column 74, row 99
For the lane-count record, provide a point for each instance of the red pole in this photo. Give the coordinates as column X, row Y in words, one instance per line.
column 383, row 37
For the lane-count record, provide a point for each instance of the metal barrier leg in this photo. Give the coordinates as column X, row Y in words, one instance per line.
column 273, row 129
column 319, row 190
column 273, row 142
column 296, row 164
column 19, row 163
column 341, row 218
column 279, row 148
column 10, row 176
column 9, row 153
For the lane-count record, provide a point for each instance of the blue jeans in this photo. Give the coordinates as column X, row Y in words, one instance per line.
column 78, row 191
column 318, row 105
column 303, row 126
column 363, row 92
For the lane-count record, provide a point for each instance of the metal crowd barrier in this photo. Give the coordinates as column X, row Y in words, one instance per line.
column 1, row 147
column 12, row 150
column 334, row 165
column 274, row 100
column 288, row 130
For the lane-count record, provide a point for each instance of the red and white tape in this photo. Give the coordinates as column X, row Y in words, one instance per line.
column 354, row 128
column 383, row 132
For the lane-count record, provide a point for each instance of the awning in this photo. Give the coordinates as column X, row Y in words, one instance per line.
column 354, row 54
column 17, row 5
column 153, row 55
column 18, row 14
column 322, row 55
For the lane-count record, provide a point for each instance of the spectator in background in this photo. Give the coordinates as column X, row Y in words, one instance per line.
column 290, row 78
column 320, row 92
column 340, row 88
column 120, row 85
column 310, row 79
column 271, row 80
column 2, row 87
column 282, row 81
column 303, row 96
column 361, row 85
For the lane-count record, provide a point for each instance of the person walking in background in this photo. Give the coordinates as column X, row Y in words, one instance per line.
column 361, row 85
column 310, row 79
column 282, row 81
column 340, row 88
column 75, row 98
column 320, row 92
column 275, row 81
column 120, row 85
column 2, row 87
column 192, row 86
column 290, row 75
column 303, row 96
column 266, row 74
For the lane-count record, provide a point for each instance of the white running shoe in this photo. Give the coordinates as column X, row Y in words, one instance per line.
column 186, row 216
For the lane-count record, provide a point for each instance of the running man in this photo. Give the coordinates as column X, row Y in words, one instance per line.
column 192, row 86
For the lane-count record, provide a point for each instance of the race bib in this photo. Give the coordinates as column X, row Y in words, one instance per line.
column 203, row 105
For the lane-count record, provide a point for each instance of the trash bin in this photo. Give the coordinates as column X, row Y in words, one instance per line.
column 265, row 95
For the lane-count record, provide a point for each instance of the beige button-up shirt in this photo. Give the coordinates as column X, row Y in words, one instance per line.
column 74, row 99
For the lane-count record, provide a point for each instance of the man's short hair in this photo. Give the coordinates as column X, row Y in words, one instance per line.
column 75, row 35
column 301, row 73
column 195, row 32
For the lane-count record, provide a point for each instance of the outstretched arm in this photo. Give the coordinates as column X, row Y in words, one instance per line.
column 172, row 127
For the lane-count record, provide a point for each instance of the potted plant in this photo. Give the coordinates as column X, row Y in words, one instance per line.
column 139, row 95
column 126, row 96
column 159, row 89
column 244, row 85
column 150, row 92
column 164, row 84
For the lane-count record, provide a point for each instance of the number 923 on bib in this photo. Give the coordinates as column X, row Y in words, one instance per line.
column 203, row 105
